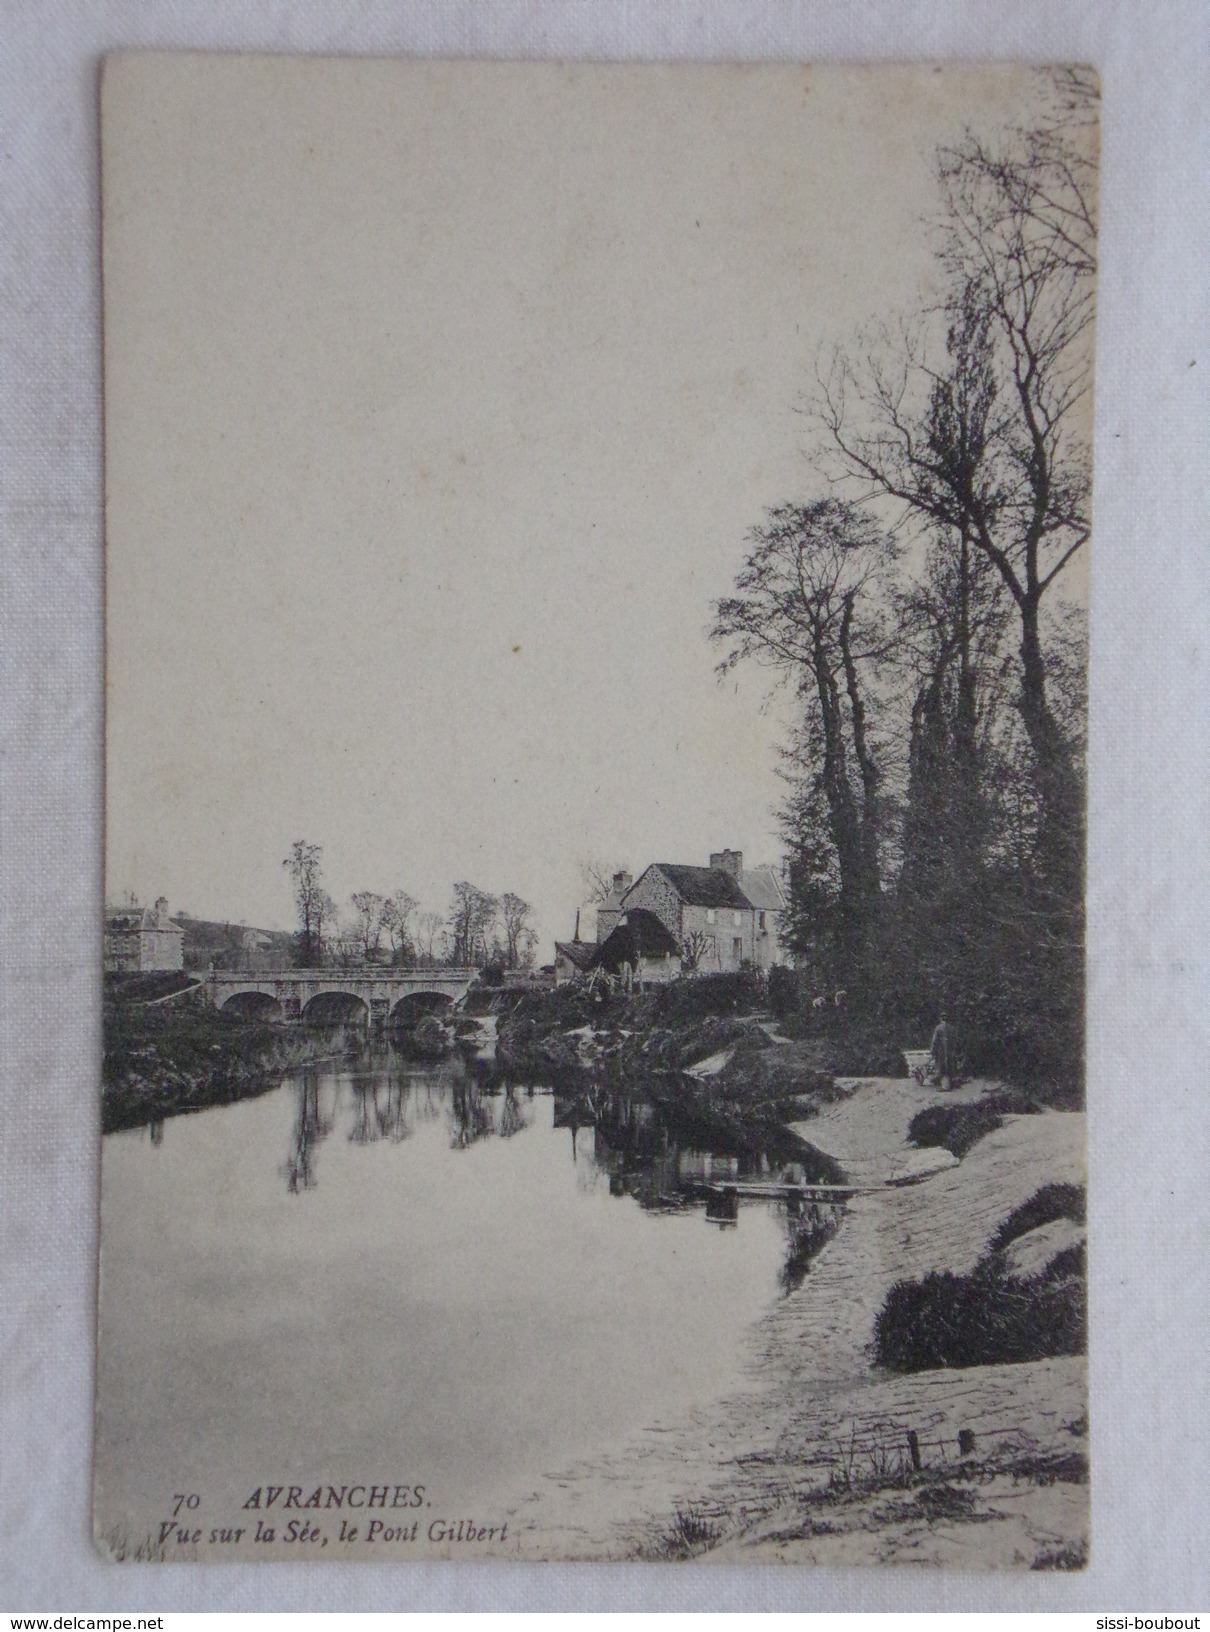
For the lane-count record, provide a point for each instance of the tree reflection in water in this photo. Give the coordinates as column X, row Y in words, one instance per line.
column 393, row 1123
column 637, row 1146
column 478, row 1087
column 645, row 1154
column 470, row 1116
column 367, row 1120
column 310, row 1126
column 809, row 1228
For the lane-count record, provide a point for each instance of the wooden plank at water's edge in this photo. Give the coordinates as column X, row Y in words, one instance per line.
column 756, row 1191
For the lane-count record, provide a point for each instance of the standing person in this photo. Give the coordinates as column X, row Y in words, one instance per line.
column 942, row 1050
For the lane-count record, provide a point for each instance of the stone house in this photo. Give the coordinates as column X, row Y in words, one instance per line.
column 141, row 938
column 720, row 917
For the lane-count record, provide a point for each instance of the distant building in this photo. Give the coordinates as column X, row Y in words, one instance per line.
column 720, row 917
column 140, row 938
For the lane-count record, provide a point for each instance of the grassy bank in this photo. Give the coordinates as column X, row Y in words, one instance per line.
column 164, row 1059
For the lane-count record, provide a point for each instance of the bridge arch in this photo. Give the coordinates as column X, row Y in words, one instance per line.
column 413, row 1006
column 335, row 1006
column 252, row 1003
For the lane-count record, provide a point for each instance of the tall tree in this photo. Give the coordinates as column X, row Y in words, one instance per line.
column 810, row 603
column 514, row 915
column 368, row 922
column 952, row 616
column 472, row 919
column 397, row 912
column 992, row 442
column 429, row 926
column 305, row 866
column 325, row 924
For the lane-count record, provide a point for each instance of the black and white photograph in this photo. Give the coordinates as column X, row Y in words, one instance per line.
column 597, row 575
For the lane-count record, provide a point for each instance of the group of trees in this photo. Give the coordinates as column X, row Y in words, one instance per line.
column 918, row 605
column 477, row 929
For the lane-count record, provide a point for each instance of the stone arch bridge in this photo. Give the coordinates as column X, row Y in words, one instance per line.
column 384, row 996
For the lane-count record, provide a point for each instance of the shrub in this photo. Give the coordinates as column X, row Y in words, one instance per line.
column 1043, row 1207
column 738, row 991
column 985, row 1318
column 958, row 1128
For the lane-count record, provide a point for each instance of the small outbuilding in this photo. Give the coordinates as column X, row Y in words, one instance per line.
column 642, row 944
column 573, row 959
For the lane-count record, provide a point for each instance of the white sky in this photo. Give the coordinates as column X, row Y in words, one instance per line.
column 439, row 401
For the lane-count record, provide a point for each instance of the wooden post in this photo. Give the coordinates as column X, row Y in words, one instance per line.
column 966, row 1442
column 913, row 1440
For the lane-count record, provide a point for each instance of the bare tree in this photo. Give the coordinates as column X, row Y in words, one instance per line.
column 397, row 913
column 693, row 949
column 429, row 926
column 472, row 919
column 597, row 877
column 991, row 440
column 325, row 922
column 513, row 915
column 368, row 922
column 305, row 866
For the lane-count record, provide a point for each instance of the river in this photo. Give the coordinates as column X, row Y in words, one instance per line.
column 381, row 1270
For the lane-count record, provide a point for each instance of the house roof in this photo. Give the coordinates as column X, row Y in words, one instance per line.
column 763, row 888
column 639, row 933
column 704, row 886
column 579, row 953
column 125, row 920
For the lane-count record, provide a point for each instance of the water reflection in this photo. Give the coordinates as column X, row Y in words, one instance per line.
column 310, row 1127
column 502, row 1315
column 621, row 1142
column 650, row 1155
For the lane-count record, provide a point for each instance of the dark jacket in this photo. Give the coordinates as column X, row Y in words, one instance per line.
column 942, row 1049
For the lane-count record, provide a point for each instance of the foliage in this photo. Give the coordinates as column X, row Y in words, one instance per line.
column 1052, row 1201
column 368, row 909
column 811, row 604
column 933, row 821
column 738, row 991
column 958, row 1128
column 147, row 986
column 986, row 1318
column 175, row 1057
column 690, row 1532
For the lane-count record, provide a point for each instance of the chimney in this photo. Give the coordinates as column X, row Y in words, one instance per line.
column 728, row 861
column 576, row 936
column 622, row 882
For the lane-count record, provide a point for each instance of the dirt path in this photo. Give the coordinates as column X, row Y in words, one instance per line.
column 742, row 1468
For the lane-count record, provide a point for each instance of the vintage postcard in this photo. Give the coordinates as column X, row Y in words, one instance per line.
column 594, row 931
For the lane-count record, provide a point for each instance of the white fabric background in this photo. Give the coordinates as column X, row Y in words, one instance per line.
column 1148, row 1057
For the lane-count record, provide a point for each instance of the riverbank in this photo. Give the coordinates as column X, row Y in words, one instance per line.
column 166, row 1057
column 810, row 1461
